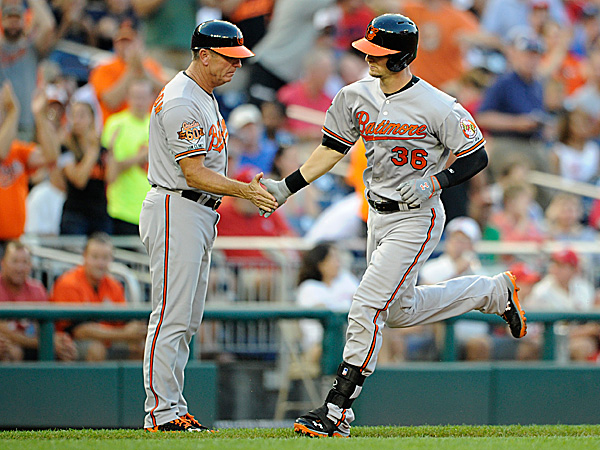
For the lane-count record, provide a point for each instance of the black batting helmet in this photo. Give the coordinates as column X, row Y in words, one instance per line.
column 222, row 37
column 394, row 35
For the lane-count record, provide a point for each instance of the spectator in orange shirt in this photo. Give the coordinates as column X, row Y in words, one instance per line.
column 91, row 283
column 19, row 338
column 444, row 32
column 20, row 159
column 111, row 80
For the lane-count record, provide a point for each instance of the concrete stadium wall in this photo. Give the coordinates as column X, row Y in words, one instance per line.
column 107, row 395
column 478, row 394
column 111, row 395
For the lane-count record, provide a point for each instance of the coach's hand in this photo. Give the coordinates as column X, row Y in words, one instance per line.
column 258, row 195
column 279, row 190
column 415, row 192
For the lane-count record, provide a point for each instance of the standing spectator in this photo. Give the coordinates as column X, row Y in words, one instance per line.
column 586, row 30
column 112, row 79
column 90, row 283
column 444, row 31
column 559, row 63
column 587, row 97
column 19, row 338
column 501, row 16
column 251, row 16
column 18, row 159
column 84, row 165
column 73, row 22
column 20, row 51
column 126, row 134
column 512, row 109
column 309, row 92
column 322, row 283
column 280, row 53
column 114, row 14
column 165, row 25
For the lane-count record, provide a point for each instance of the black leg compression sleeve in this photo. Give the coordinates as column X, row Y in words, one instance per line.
column 344, row 386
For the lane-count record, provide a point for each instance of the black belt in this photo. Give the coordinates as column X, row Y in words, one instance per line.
column 210, row 202
column 390, row 206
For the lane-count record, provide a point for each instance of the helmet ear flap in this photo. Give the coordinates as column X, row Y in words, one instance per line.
column 398, row 61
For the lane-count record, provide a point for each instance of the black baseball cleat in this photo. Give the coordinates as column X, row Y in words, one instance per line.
column 513, row 314
column 316, row 424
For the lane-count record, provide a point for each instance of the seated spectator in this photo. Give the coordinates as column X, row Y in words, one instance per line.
column 564, row 220
column 514, row 221
column 18, row 160
column 256, row 270
column 90, row 283
column 248, row 138
column 126, row 134
column 576, row 156
column 19, row 338
column 527, row 277
column 309, row 92
column 84, row 162
column 274, row 118
column 459, row 259
column 111, row 80
column 322, row 283
column 21, row 49
column 564, row 289
column 300, row 212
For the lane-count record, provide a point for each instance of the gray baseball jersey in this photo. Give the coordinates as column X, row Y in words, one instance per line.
column 178, row 234
column 407, row 135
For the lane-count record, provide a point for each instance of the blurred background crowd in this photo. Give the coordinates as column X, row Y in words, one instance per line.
column 78, row 78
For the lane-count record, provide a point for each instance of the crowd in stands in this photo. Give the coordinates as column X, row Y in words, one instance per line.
column 73, row 147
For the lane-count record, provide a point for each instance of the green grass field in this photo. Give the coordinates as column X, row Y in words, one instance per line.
column 515, row 437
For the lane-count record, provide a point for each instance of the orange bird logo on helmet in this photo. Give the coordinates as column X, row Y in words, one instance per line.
column 371, row 32
column 240, row 40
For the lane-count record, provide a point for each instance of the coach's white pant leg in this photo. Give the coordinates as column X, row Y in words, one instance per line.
column 441, row 301
column 172, row 232
column 196, row 319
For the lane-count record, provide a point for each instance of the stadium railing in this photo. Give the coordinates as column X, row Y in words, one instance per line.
column 334, row 323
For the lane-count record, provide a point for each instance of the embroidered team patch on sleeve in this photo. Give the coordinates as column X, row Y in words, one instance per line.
column 191, row 132
column 468, row 128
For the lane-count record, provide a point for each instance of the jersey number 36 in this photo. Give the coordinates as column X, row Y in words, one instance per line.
column 417, row 157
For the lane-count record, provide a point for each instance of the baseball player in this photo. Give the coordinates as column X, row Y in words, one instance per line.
column 409, row 129
column 187, row 170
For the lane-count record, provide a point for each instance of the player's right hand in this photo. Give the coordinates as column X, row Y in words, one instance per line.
column 279, row 190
